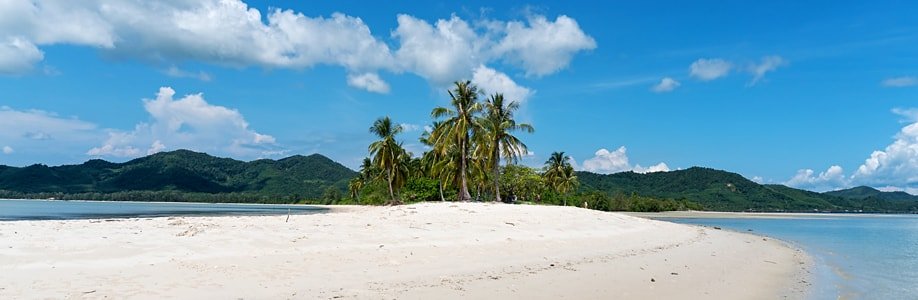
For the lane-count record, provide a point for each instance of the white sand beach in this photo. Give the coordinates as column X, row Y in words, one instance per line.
column 421, row 251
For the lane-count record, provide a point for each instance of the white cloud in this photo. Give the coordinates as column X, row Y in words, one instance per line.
column 491, row 81
column 179, row 73
column 8, row 150
column 230, row 33
column 831, row 179
column 660, row 167
column 157, row 147
column 904, row 81
column 46, row 135
column 666, row 85
column 187, row 123
column 37, row 125
column 407, row 127
column 709, row 69
column 18, row 55
column 607, row 162
column 542, row 47
column 368, row 81
column 440, row 53
column 768, row 64
column 895, row 166
column 224, row 32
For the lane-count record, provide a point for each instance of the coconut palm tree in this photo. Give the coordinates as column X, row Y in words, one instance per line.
column 559, row 174
column 388, row 155
column 458, row 128
column 498, row 140
column 354, row 186
column 367, row 171
column 432, row 162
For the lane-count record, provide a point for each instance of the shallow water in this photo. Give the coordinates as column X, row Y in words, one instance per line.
column 64, row 210
column 856, row 257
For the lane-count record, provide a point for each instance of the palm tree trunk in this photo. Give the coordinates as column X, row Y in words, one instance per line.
column 391, row 191
column 497, row 174
column 440, row 185
column 463, row 185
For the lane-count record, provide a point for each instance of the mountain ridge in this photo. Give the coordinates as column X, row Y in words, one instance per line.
column 184, row 175
column 183, row 171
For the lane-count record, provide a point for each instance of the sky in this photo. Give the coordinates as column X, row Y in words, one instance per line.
column 818, row 95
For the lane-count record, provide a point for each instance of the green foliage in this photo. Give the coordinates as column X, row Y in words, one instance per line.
column 421, row 189
column 180, row 175
column 725, row 191
column 331, row 195
column 521, row 183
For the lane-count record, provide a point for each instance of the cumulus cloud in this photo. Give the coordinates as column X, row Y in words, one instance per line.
column 767, row 64
column 893, row 167
column 660, row 167
column 230, row 33
column 542, row 47
column 187, row 123
column 896, row 164
column 441, row 53
column 368, row 81
column 17, row 55
column 8, row 150
column 831, row 179
column 904, row 81
column 707, row 69
column 666, row 84
column 491, row 81
column 608, row 162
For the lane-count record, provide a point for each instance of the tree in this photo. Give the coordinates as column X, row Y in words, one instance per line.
column 458, row 128
column 354, row 186
column 559, row 174
column 331, row 195
column 498, row 140
column 388, row 155
column 522, row 182
column 436, row 163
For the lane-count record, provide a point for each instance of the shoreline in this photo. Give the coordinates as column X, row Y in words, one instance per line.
column 442, row 250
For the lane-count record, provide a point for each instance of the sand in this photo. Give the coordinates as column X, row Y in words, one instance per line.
column 421, row 251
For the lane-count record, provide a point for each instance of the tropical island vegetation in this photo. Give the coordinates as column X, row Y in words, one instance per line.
column 472, row 152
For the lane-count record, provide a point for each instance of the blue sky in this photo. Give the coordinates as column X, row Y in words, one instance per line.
column 817, row 95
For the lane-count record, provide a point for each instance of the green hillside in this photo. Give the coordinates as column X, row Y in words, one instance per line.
column 725, row 191
column 182, row 172
column 191, row 176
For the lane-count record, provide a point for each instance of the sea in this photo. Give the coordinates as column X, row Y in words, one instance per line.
column 11, row 210
column 855, row 256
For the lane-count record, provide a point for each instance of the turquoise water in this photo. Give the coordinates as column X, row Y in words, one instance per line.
column 64, row 210
column 857, row 257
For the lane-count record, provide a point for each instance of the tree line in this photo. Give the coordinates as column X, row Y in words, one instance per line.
column 467, row 141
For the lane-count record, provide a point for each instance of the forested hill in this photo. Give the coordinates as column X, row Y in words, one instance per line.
column 725, row 191
column 191, row 176
column 183, row 171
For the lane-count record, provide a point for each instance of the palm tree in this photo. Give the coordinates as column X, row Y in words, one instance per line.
column 434, row 163
column 458, row 127
column 559, row 174
column 367, row 171
column 388, row 155
column 354, row 186
column 498, row 140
